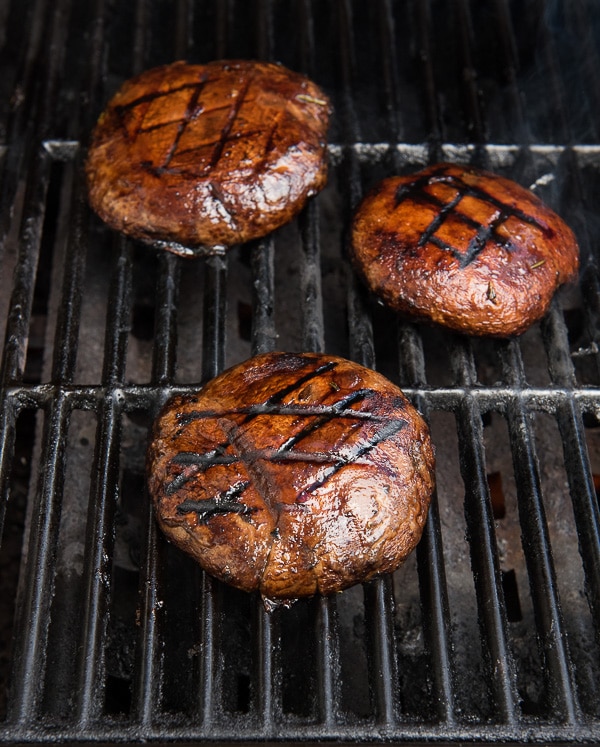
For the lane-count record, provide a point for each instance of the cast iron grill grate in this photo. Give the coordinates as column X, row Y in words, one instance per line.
column 490, row 631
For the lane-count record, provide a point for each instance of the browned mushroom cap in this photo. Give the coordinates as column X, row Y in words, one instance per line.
column 292, row 475
column 463, row 248
column 205, row 155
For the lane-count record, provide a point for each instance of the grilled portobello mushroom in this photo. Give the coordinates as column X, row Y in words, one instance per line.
column 292, row 475
column 463, row 248
column 192, row 157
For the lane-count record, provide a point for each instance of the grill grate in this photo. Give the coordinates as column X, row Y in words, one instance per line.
column 490, row 630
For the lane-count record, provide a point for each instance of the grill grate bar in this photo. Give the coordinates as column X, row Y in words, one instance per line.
column 378, row 594
column 67, row 325
column 585, row 501
column 265, row 669
column 146, row 676
column 384, row 678
column 446, row 398
column 475, row 122
column 208, row 656
column 556, row 85
column 165, row 329
column 347, row 67
column 536, row 547
column 484, row 553
column 31, row 625
column 19, row 313
column 8, row 417
column 306, row 38
column 389, row 60
column 435, row 135
column 33, row 118
column 264, row 29
column 103, row 493
column 510, row 68
column 264, row 335
column 583, row 493
column 313, row 337
column 430, row 554
column 484, row 561
column 328, row 663
column 117, row 732
column 583, row 31
column 214, row 316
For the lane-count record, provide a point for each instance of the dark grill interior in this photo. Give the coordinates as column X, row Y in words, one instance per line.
column 491, row 630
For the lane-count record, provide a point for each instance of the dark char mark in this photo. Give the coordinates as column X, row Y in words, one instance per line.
column 386, row 431
column 416, row 191
column 273, row 401
column 326, row 417
column 283, row 454
column 229, row 122
column 190, row 113
column 224, row 503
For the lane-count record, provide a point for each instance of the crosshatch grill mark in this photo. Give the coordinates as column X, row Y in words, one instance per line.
column 193, row 462
column 193, row 111
column 484, row 233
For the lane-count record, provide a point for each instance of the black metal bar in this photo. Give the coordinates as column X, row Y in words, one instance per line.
column 313, row 332
column 328, row 661
column 470, row 84
column 577, row 460
column 97, row 569
column 165, row 329
column 378, row 597
column 347, row 67
column 482, row 540
column 213, row 360
column 68, row 319
column 546, row 399
column 264, row 29
column 214, row 316
column 147, row 671
column 306, row 38
column 510, row 68
column 19, row 313
column 379, row 611
column 266, row 672
column 542, row 579
column 430, row 553
column 344, row 735
column 264, row 335
column 435, row 135
column 8, row 418
column 35, row 97
column 389, row 61
column 103, row 493
column 537, row 549
column 33, row 609
column 208, row 657
column 585, row 500
column 584, row 32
